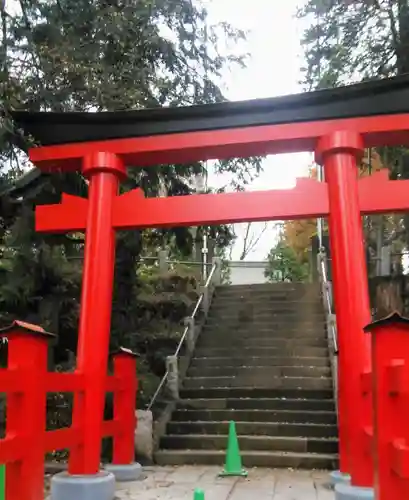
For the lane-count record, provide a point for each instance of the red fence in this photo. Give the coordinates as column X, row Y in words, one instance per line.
column 26, row 382
column 390, row 383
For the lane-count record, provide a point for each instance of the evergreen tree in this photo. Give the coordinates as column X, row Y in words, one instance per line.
column 354, row 41
column 66, row 55
column 283, row 264
column 347, row 42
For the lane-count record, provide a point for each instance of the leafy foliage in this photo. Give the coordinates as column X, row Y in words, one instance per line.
column 347, row 42
column 66, row 55
column 283, row 265
column 353, row 41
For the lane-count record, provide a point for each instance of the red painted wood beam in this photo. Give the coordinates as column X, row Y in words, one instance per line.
column 62, row 438
column 110, row 428
column 309, row 199
column 64, row 382
column 11, row 449
column 379, row 195
column 388, row 130
column 10, row 380
column 132, row 210
column 69, row 215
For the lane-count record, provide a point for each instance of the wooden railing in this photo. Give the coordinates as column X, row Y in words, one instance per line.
column 26, row 382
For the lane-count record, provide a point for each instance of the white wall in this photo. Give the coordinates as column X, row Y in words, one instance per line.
column 247, row 273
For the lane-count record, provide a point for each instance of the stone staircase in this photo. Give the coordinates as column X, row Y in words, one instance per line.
column 263, row 361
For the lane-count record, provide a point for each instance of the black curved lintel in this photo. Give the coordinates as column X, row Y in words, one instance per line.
column 383, row 97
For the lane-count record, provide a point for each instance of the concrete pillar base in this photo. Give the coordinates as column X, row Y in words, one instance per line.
column 100, row 486
column 124, row 473
column 344, row 491
column 338, row 477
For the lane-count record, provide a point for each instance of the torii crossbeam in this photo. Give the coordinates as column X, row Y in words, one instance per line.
column 308, row 199
column 335, row 124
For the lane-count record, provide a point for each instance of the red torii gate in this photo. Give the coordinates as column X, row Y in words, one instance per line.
column 338, row 142
column 308, row 199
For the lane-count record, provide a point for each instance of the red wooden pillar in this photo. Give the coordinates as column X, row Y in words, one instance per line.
column 390, row 361
column 104, row 171
column 339, row 153
column 26, row 410
column 124, row 407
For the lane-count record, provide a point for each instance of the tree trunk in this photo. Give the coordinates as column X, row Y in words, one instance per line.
column 388, row 298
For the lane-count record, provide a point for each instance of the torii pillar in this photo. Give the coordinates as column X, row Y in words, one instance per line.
column 104, row 171
column 85, row 480
column 339, row 153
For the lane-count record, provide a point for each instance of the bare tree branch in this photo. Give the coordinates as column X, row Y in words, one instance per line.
column 251, row 240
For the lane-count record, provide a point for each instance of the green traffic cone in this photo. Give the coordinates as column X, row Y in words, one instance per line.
column 198, row 495
column 233, row 465
column 2, row 482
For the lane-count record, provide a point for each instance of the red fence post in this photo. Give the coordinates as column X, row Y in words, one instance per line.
column 124, row 407
column 390, row 358
column 126, row 385
column 26, row 410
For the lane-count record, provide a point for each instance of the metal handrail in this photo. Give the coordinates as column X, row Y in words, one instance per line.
column 327, row 297
column 161, row 383
column 323, row 270
column 176, row 262
column 185, row 332
column 210, row 277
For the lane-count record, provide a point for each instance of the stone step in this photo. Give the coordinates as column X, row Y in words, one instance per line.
column 269, row 288
column 278, row 322
column 258, row 380
column 249, row 458
column 259, row 404
column 223, row 303
column 276, row 342
column 256, row 361
column 269, row 371
column 257, row 306
column 245, row 332
column 257, row 298
column 251, row 443
column 261, row 287
column 241, row 314
column 223, row 352
column 255, row 393
column 290, row 416
column 267, row 310
column 269, row 296
column 255, row 428
column 271, row 317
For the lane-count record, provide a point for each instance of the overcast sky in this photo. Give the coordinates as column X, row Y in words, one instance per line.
column 272, row 70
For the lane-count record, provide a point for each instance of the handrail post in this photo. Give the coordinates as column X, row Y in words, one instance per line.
column 328, row 302
column 26, row 410
column 205, row 301
column 190, row 337
column 173, row 376
column 163, row 261
column 217, row 276
column 123, row 465
column 331, row 324
column 319, row 263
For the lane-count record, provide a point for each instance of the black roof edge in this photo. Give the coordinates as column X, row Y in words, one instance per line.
column 393, row 318
column 380, row 97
